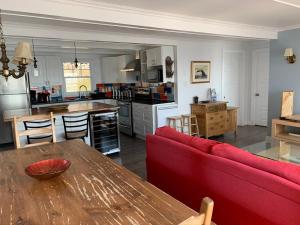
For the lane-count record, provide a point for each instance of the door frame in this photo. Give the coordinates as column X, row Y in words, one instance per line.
column 242, row 87
column 253, row 83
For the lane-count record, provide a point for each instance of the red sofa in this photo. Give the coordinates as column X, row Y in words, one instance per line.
column 246, row 189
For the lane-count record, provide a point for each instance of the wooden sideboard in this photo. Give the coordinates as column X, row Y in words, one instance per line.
column 282, row 130
column 215, row 118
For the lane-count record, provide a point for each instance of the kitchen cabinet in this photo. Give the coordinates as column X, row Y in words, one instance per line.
column 54, row 69
column 154, row 57
column 40, row 80
column 157, row 56
column 143, row 119
column 146, row 118
column 50, row 71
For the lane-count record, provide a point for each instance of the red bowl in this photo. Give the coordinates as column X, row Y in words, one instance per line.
column 47, row 169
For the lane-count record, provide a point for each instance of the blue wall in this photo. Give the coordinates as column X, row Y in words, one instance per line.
column 283, row 76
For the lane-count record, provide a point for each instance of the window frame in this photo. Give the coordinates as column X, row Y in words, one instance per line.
column 76, row 77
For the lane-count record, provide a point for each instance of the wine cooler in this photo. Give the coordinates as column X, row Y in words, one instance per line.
column 104, row 132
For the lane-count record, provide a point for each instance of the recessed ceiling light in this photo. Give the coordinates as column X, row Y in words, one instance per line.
column 287, row 3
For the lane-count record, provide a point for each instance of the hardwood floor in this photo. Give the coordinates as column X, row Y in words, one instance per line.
column 133, row 150
column 132, row 155
column 246, row 135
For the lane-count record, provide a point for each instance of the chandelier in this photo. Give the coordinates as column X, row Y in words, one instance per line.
column 22, row 57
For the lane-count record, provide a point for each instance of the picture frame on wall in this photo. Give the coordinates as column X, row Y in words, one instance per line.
column 200, row 72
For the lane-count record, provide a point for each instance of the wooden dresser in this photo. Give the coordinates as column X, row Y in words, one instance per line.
column 215, row 118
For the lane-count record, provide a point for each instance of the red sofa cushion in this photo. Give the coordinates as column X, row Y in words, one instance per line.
column 256, row 197
column 201, row 144
column 174, row 135
column 288, row 171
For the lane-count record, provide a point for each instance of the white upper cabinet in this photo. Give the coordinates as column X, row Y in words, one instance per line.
column 54, row 70
column 154, row 57
column 41, row 79
column 50, row 71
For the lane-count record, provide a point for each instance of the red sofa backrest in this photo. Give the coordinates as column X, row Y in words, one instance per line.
column 243, row 195
column 204, row 145
column 285, row 170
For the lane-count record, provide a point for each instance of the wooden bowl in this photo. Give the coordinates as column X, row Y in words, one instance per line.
column 47, row 169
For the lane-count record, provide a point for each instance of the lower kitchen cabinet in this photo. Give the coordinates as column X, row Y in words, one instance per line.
column 143, row 119
column 146, row 118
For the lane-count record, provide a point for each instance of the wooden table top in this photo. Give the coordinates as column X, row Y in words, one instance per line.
column 93, row 191
column 8, row 115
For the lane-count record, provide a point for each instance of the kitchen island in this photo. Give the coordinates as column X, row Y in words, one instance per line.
column 82, row 107
column 103, row 119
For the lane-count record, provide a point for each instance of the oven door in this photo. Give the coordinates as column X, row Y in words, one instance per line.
column 125, row 118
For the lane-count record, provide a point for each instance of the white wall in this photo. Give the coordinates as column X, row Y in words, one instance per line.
column 188, row 49
column 212, row 50
column 50, row 67
column 111, row 67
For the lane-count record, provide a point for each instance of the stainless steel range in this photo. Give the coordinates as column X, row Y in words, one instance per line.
column 125, row 116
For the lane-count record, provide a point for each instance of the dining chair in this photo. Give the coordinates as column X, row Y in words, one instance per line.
column 38, row 124
column 38, row 132
column 76, row 127
column 205, row 216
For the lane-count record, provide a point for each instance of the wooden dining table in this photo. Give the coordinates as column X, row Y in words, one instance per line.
column 93, row 191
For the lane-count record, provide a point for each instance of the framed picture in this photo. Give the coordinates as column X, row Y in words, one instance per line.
column 200, row 72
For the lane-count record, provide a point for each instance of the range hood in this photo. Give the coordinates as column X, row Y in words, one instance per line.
column 134, row 65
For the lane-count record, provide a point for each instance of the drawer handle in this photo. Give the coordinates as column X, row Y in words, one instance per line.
column 211, row 118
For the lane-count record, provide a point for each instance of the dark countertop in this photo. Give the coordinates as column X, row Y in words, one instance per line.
column 142, row 101
column 66, row 101
column 152, row 101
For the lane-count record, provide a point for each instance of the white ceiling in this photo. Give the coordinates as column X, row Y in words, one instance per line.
column 272, row 13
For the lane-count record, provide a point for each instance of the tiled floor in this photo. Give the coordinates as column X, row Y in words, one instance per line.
column 133, row 150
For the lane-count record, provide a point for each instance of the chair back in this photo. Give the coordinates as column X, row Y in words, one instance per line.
column 76, row 126
column 34, row 132
column 205, row 216
column 38, row 124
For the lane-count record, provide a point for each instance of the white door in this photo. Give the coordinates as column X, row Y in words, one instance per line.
column 232, row 73
column 260, row 85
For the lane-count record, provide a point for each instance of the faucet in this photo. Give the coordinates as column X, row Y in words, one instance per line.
column 80, row 90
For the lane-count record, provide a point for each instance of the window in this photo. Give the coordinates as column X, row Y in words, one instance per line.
column 75, row 77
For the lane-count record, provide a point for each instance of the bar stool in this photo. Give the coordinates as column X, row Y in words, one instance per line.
column 190, row 122
column 76, row 127
column 175, row 122
column 38, row 124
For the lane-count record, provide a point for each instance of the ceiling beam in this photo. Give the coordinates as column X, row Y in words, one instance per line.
column 92, row 12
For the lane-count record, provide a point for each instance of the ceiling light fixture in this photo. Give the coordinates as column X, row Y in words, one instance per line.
column 22, row 57
column 287, row 3
column 35, row 66
column 75, row 60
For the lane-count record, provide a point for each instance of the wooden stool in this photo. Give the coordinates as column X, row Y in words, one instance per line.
column 190, row 122
column 175, row 122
